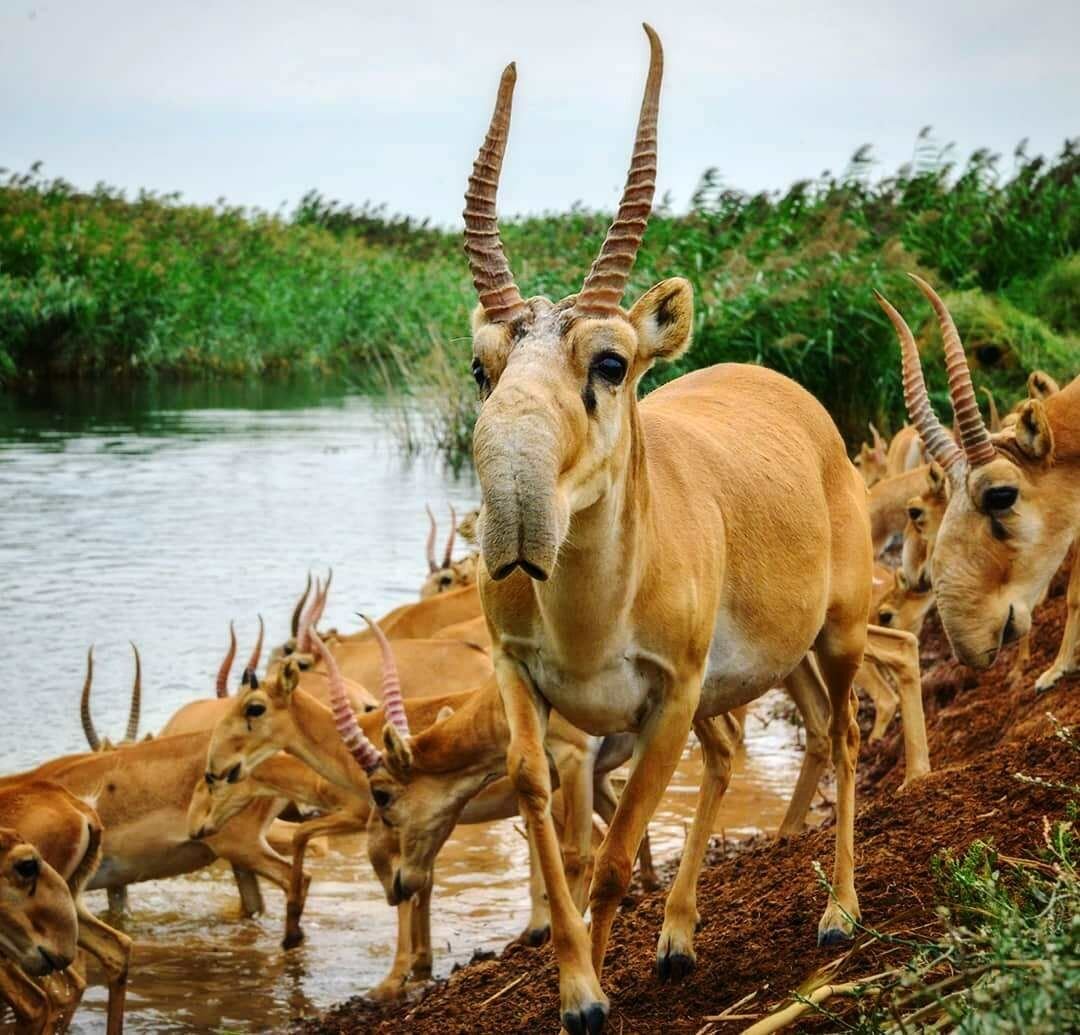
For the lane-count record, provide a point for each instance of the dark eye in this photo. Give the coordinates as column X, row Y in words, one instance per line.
column 254, row 710
column 479, row 374
column 885, row 617
column 27, row 868
column 915, row 513
column 610, row 366
column 381, row 797
column 233, row 774
column 999, row 497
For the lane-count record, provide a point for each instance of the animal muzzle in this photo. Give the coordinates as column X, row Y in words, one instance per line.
column 517, row 467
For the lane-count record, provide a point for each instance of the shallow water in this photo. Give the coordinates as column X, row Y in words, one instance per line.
column 156, row 515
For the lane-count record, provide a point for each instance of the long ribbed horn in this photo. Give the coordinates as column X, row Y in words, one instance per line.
column 320, row 606
column 433, row 530
column 84, row 705
column 223, row 672
column 298, row 610
column 604, row 286
column 448, row 556
column 491, row 274
column 391, row 681
column 344, row 717
column 939, row 443
column 253, row 661
column 974, row 438
column 136, row 700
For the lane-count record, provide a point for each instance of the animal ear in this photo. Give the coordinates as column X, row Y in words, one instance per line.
column 444, row 713
column 1033, row 434
column 663, row 318
column 399, row 755
column 937, row 479
column 1041, row 385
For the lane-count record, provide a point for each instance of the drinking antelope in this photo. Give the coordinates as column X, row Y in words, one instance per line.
column 1013, row 508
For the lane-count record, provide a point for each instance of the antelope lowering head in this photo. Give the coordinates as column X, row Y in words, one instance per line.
column 38, row 924
column 905, row 605
column 925, row 512
column 558, row 379
column 1014, row 500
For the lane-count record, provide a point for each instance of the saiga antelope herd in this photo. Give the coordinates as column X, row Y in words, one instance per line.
column 646, row 568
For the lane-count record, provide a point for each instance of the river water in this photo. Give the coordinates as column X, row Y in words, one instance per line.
column 157, row 514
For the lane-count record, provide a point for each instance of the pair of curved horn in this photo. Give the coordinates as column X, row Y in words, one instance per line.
column 365, row 753
column 294, row 624
column 134, row 710
column 222, row 683
column 391, row 681
column 975, row 446
column 311, row 618
column 604, row 286
column 448, row 553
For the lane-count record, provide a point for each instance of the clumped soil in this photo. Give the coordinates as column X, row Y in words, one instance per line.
column 760, row 904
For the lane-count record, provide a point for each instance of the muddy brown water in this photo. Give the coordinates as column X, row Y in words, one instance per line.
column 157, row 515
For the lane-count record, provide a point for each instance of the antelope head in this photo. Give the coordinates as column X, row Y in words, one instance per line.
column 558, row 379
column 38, row 924
column 905, row 605
column 450, row 574
column 1014, row 499
column 925, row 512
column 871, row 459
column 257, row 724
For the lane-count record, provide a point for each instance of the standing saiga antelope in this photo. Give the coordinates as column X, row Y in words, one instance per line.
column 649, row 567
column 1013, row 509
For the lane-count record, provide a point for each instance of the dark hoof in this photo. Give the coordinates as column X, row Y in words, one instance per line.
column 674, row 967
column 833, row 936
column 589, row 1021
column 536, row 937
column 292, row 939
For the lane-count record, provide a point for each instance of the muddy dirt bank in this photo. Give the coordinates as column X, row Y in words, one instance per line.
column 760, row 905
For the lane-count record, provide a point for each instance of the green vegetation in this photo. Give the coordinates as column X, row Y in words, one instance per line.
column 99, row 283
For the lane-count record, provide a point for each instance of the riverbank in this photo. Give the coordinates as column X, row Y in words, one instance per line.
column 918, row 851
column 102, row 285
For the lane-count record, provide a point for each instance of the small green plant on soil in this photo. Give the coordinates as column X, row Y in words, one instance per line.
column 1008, row 960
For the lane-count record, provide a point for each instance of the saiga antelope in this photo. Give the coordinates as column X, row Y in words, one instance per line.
column 623, row 578
column 68, row 834
column 38, row 931
column 1013, row 509
column 450, row 574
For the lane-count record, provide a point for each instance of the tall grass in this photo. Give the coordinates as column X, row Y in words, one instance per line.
column 102, row 283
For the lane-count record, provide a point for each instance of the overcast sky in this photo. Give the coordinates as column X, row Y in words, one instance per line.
column 258, row 102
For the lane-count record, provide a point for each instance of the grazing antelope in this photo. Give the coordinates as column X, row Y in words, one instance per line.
column 622, row 544
column 1013, row 508
column 68, row 834
column 925, row 511
column 450, row 574
column 132, row 731
column 903, row 605
column 888, row 505
column 141, row 793
column 38, row 933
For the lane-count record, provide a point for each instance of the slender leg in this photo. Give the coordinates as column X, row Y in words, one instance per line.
column 393, row 984
column 606, row 800
column 113, row 950
column 32, row 1007
column 806, row 690
column 118, row 900
column 885, row 699
column 839, row 654
column 335, row 823
column 894, row 656
column 675, row 956
column 251, row 900
column 538, row 929
column 576, row 783
column 659, row 747
column 1068, row 657
column 421, row 935
column 583, row 1005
